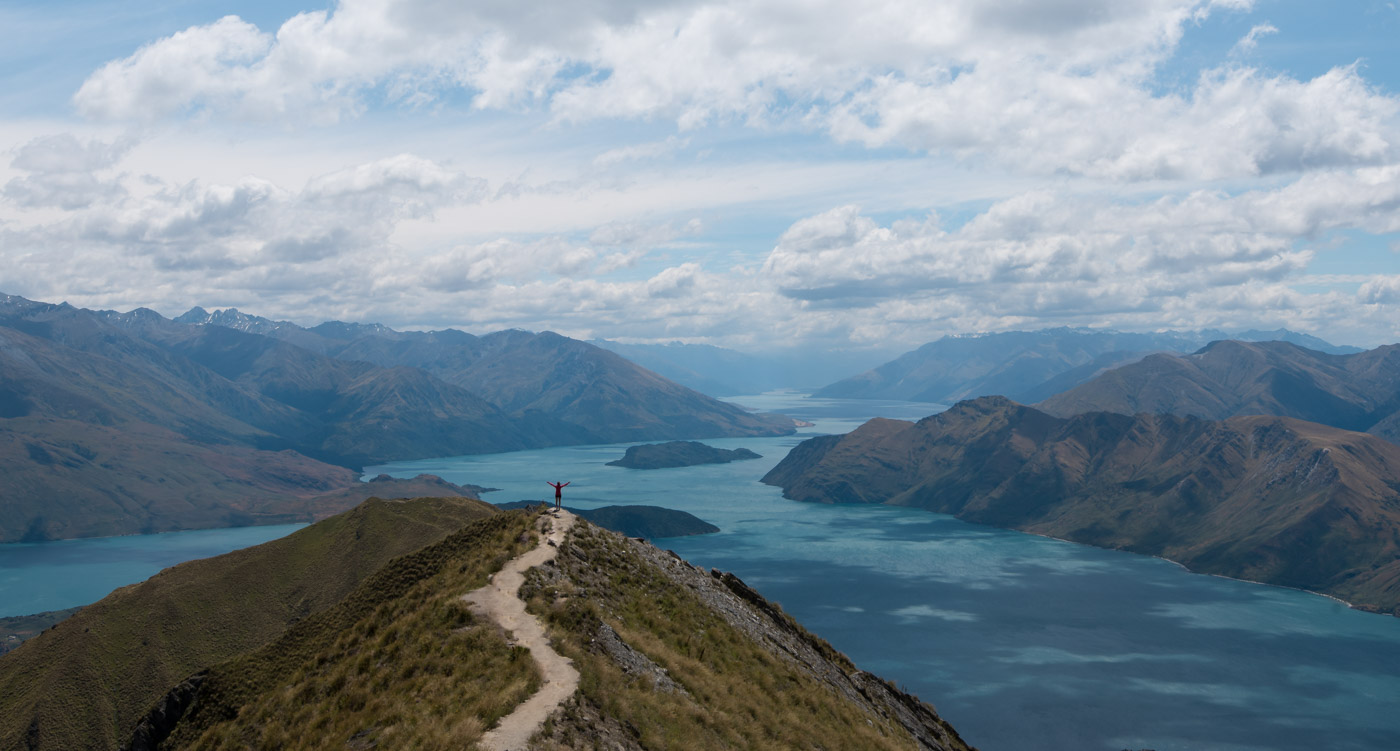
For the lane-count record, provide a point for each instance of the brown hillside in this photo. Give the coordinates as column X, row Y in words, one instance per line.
column 1269, row 499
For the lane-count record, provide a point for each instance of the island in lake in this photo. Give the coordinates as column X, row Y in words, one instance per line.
column 635, row 521
column 678, row 454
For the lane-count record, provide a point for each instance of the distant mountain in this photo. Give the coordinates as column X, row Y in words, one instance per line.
column 557, row 390
column 1025, row 365
column 552, row 383
column 634, row 520
column 678, row 454
column 356, row 413
column 1268, row 499
column 708, row 369
column 117, row 423
column 725, row 372
column 352, row 632
column 1358, row 391
column 103, row 434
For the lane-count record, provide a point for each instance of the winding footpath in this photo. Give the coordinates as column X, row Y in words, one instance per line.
column 500, row 601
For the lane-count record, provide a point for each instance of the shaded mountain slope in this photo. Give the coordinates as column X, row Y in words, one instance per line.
column 556, row 384
column 1263, row 498
column 63, row 362
column 86, row 682
column 65, row 478
column 357, row 413
column 1358, row 391
column 558, row 390
column 117, row 423
column 1024, row 365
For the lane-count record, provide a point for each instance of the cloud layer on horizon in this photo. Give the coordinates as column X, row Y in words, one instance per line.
column 1118, row 200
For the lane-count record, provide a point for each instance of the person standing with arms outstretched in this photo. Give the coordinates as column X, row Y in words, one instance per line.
column 558, row 492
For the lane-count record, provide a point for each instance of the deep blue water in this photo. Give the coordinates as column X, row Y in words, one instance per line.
column 1022, row 642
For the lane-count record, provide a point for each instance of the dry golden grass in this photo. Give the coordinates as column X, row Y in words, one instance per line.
column 740, row 694
column 400, row 664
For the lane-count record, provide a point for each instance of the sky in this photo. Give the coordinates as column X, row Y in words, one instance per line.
column 755, row 175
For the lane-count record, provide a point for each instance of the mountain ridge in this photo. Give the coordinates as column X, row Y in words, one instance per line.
column 1024, row 365
column 1263, row 498
column 160, row 425
column 1358, row 391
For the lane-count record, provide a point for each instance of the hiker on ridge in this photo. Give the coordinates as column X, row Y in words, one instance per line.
column 558, row 492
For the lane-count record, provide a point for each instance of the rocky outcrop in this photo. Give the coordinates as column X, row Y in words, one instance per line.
column 165, row 715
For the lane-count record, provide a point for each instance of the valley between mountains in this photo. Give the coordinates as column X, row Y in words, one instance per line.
column 1266, row 461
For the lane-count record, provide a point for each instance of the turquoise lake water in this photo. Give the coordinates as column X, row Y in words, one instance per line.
column 40, row 576
column 1022, row 642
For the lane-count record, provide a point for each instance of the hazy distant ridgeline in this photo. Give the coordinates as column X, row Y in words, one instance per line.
column 1028, row 366
column 724, row 372
column 115, row 423
column 1359, row 391
column 1269, row 499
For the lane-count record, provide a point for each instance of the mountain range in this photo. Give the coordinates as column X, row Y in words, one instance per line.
column 557, row 390
column 1028, row 366
column 116, row 423
column 1359, row 391
column 719, row 371
column 1264, row 498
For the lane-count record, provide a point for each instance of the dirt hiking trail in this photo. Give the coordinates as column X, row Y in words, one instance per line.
column 500, row 601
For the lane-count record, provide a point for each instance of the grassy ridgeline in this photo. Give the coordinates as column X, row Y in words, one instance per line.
column 85, row 683
column 399, row 663
column 670, row 658
column 402, row 663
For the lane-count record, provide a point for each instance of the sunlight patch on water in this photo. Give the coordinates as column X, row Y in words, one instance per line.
column 915, row 613
column 1056, row 656
column 1224, row 694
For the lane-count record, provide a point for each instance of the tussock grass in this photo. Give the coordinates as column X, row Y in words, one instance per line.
column 86, row 682
column 400, row 663
column 737, row 693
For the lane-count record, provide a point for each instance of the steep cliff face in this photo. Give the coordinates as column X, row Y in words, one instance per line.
column 1264, row 498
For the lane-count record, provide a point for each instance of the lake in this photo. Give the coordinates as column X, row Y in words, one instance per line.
column 59, row 574
column 1022, row 642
